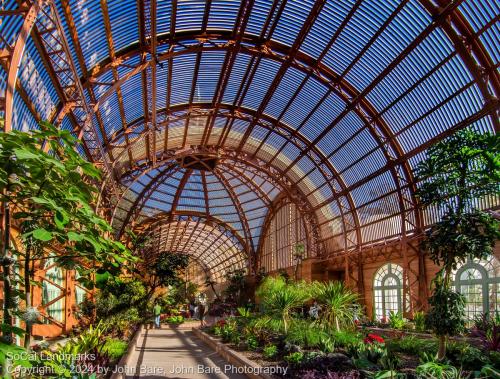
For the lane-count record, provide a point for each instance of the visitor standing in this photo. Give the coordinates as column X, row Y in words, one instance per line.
column 157, row 314
column 191, row 310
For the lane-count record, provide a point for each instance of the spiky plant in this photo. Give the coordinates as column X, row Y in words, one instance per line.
column 337, row 304
column 280, row 298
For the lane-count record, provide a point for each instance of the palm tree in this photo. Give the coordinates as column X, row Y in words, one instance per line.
column 337, row 302
column 281, row 298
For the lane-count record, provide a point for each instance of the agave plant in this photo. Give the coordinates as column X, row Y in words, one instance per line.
column 337, row 303
column 280, row 298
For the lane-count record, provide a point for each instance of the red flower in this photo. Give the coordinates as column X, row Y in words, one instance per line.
column 221, row 323
column 372, row 338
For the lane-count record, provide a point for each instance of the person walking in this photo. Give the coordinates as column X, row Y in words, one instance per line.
column 157, row 314
column 201, row 310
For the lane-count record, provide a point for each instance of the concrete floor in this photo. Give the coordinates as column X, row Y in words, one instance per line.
column 175, row 353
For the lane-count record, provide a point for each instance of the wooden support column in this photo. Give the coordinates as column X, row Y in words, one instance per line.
column 361, row 279
column 423, row 286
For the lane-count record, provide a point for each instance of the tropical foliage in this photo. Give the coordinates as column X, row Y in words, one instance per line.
column 455, row 174
column 281, row 298
column 337, row 303
column 47, row 189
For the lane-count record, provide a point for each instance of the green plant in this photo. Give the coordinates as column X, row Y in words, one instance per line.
column 337, row 302
column 280, row 298
column 236, row 280
column 388, row 374
column 163, row 272
column 115, row 348
column 270, row 351
column 487, row 328
column 48, row 188
column 466, row 356
column 412, row 345
column 396, row 320
column 346, row 338
column 11, row 357
column 175, row 320
column 457, row 172
column 252, row 343
column 488, row 372
column 294, row 358
column 326, row 344
column 244, row 312
column 446, row 315
column 419, row 320
column 298, row 256
column 229, row 331
column 304, row 334
column 435, row 370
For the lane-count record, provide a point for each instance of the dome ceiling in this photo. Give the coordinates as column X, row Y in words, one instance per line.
column 328, row 102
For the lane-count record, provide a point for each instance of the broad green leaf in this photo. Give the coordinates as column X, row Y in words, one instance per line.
column 24, row 154
column 42, row 234
column 61, row 218
column 76, row 237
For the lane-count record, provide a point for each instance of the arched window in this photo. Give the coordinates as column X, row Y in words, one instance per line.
column 479, row 282
column 53, row 289
column 388, row 290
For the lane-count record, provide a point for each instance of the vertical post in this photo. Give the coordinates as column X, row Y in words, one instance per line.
column 69, row 301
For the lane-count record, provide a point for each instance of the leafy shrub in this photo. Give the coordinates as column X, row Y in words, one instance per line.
column 294, row 358
column 244, row 312
column 487, row 329
column 337, row 303
column 121, row 324
column 228, row 330
column 326, row 344
column 175, row 320
column 466, row 356
column 281, row 298
column 252, row 343
column 494, row 357
column 435, row 370
column 270, row 351
column 115, row 348
column 396, row 320
column 346, row 338
column 306, row 335
column 488, row 372
column 446, row 316
column 412, row 345
column 419, row 320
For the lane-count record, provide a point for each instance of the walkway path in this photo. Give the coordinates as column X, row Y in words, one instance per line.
column 175, row 353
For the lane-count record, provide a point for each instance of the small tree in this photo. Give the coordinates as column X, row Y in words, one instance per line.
column 455, row 174
column 298, row 256
column 46, row 186
column 209, row 282
column 165, row 271
column 236, row 285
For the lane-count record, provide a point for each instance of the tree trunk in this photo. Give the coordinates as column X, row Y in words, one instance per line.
column 442, row 347
column 27, row 291
column 6, row 268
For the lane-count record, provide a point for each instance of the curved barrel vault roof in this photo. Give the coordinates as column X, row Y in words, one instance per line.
column 330, row 102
